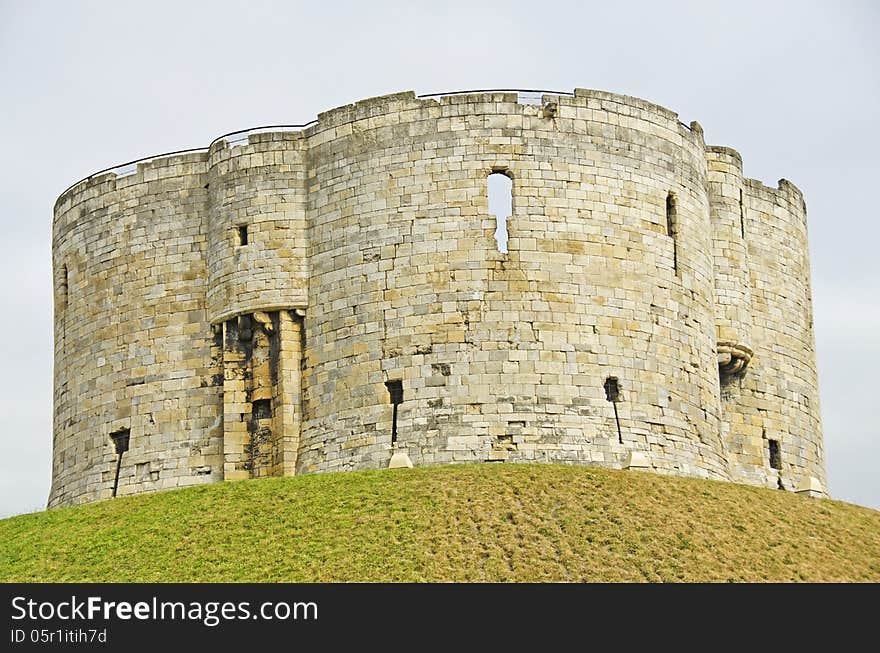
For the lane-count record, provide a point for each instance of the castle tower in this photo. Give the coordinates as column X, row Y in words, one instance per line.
column 318, row 299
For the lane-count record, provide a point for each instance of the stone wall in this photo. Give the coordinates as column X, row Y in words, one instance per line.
column 247, row 311
column 133, row 347
column 777, row 398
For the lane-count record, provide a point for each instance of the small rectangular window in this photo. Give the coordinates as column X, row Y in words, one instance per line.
column 261, row 409
column 612, row 394
column 612, row 389
column 242, row 235
column 395, row 391
column 120, row 440
column 775, row 456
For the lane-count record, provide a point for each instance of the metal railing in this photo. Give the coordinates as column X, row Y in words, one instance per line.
column 256, row 130
column 498, row 90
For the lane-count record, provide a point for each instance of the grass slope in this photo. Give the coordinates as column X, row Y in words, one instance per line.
column 457, row 523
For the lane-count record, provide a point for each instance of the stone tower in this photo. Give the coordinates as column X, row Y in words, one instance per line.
column 289, row 301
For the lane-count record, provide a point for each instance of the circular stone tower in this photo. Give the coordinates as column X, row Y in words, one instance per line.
column 334, row 296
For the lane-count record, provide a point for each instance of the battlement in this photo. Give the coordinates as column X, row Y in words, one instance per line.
column 335, row 295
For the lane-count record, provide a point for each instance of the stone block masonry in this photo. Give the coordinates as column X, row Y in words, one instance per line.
column 327, row 298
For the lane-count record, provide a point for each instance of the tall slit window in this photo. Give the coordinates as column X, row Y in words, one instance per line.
column 395, row 394
column 500, row 190
column 63, row 283
column 120, row 441
column 242, row 235
column 672, row 228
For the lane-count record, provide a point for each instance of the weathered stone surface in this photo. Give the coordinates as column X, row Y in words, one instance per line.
column 637, row 460
column 242, row 309
column 399, row 459
column 811, row 486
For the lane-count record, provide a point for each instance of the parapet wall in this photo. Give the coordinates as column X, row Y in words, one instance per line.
column 253, row 309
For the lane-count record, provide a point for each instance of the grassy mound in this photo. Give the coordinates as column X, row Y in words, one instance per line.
column 457, row 523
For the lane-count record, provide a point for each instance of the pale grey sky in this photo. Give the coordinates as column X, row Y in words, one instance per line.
column 793, row 86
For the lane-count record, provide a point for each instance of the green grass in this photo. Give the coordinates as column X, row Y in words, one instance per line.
column 458, row 523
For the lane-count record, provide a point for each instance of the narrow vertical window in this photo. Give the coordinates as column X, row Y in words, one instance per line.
column 63, row 283
column 742, row 215
column 672, row 227
column 500, row 190
column 120, row 440
column 299, row 316
column 242, row 235
column 775, row 456
column 395, row 393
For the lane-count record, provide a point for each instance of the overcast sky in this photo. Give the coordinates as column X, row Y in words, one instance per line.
column 793, row 86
